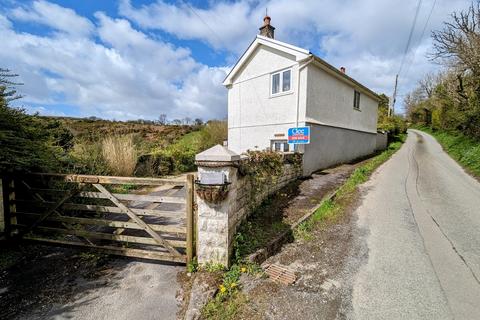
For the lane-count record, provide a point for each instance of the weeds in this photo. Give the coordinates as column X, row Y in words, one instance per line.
column 228, row 300
column 120, row 154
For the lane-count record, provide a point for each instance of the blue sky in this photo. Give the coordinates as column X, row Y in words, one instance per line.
column 138, row 59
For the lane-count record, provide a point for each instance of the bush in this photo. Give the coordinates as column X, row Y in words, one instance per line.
column 29, row 143
column 215, row 132
column 180, row 156
column 87, row 158
column 120, row 154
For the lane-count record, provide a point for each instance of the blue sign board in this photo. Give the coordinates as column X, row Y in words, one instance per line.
column 300, row 135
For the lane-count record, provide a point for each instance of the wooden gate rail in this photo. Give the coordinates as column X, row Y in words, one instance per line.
column 89, row 211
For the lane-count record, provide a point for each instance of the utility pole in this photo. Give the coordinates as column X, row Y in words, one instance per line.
column 391, row 109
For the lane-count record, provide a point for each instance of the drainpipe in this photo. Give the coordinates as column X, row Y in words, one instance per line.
column 300, row 67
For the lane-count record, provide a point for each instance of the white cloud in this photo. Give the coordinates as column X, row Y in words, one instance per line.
column 55, row 16
column 111, row 67
column 121, row 73
column 368, row 37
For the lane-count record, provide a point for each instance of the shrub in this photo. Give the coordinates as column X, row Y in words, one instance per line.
column 30, row 142
column 215, row 132
column 120, row 154
column 87, row 158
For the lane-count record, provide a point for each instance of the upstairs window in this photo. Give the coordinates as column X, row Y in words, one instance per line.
column 281, row 81
column 356, row 100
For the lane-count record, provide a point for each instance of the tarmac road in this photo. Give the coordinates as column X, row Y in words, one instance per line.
column 421, row 212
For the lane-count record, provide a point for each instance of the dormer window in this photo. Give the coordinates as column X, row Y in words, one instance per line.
column 281, row 81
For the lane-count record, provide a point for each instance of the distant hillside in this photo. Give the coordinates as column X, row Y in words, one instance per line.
column 147, row 135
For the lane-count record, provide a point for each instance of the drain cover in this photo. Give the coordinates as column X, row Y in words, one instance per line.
column 280, row 274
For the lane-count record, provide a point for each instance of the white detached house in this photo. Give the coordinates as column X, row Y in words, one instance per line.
column 276, row 86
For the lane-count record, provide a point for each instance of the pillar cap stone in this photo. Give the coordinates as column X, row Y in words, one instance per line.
column 217, row 153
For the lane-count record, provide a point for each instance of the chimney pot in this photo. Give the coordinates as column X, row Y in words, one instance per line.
column 267, row 30
column 342, row 69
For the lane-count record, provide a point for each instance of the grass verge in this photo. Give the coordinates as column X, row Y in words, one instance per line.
column 345, row 194
column 465, row 150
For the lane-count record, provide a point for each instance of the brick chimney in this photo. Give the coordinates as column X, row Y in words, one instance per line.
column 267, row 30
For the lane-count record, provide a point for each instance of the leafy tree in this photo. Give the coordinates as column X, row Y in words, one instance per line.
column 28, row 142
column 7, row 86
column 451, row 100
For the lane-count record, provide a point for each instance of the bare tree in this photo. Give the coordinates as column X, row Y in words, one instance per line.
column 427, row 84
column 459, row 40
column 162, row 119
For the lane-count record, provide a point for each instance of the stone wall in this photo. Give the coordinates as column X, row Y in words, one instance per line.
column 217, row 223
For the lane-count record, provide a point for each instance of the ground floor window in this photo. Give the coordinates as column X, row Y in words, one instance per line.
column 280, row 145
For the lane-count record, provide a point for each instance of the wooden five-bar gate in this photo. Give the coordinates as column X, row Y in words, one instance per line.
column 137, row 217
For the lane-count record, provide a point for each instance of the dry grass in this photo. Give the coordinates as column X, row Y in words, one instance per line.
column 120, row 154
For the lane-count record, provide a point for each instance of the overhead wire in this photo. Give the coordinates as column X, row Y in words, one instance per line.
column 421, row 38
column 410, row 36
column 204, row 22
column 391, row 109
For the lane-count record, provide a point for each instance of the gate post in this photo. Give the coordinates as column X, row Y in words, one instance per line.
column 190, row 220
column 216, row 219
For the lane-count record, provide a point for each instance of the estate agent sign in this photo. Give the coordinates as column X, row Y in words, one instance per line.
column 300, row 135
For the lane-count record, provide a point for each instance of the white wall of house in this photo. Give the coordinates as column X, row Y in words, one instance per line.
column 339, row 132
column 330, row 101
column 255, row 116
column 332, row 145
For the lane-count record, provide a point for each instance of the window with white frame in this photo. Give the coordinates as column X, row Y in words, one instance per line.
column 280, row 145
column 281, row 81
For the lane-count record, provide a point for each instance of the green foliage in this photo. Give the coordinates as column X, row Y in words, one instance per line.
column 31, row 142
column 224, row 310
column 8, row 90
column 213, row 267
column 226, row 303
column 261, row 168
column 180, row 156
column 215, row 132
column 395, row 124
column 192, row 266
column 450, row 101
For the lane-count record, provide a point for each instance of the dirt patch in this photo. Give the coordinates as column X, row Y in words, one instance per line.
column 35, row 277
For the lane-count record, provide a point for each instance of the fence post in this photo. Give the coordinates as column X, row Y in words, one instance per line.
column 190, row 220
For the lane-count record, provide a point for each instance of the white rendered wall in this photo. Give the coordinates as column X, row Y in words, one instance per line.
column 254, row 115
column 330, row 101
column 330, row 146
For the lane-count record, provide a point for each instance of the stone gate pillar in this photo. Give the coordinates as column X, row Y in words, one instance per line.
column 216, row 212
